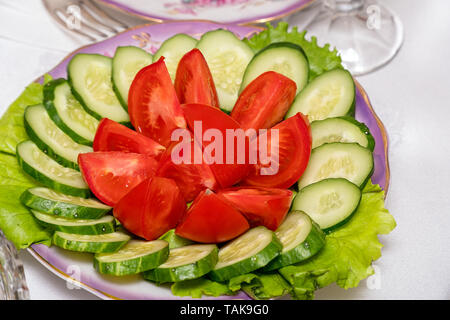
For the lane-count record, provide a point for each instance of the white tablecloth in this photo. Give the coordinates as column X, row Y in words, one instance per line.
column 412, row 97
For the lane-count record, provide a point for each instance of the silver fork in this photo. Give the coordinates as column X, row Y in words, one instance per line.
column 85, row 18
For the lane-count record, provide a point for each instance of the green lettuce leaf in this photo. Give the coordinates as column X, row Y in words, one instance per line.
column 320, row 59
column 349, row 251
column 16, row 221
column 12, row 130
column 256, row 285
column 11, row 173
column 260, row 285
column 198, row 287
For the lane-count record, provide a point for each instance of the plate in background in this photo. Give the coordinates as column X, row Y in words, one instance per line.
column 223, row 11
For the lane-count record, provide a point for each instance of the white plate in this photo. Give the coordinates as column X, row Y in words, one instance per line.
column 224, row 11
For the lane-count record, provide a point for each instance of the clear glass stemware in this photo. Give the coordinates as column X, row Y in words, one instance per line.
column 367, row 34
column 12, row 278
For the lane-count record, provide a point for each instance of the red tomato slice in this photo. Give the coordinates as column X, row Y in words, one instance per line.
column 110, row 175
column 227, row 171
column 294, row 150
column 191, row 176
column 113, row 136
column 194, row 82
column 261, row 206
column 153, row 104
column 265, row 101
column 151, row 208
column 211, row 219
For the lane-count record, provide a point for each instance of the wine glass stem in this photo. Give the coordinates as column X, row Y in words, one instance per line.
column 345, row 5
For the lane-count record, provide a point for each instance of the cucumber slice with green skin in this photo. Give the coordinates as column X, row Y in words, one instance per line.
column 332, row 94
column 338, row 160
column 134, row 257
column 50, row 173
column 90, row 80
column 103, row 243
column 185, row 263
column 103, row 225
column 330, row 202
column 227, row 58
column 67, row 113
column 301, row 238
column 283, row 57
column 173, row 49
column 252, row 250
column 341, row 129
column 55, row 203
column 174, row 240
column 51, row 139
column 126, row 63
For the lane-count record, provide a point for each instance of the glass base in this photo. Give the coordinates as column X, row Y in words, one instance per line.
column 366, row 34
column 13, row 285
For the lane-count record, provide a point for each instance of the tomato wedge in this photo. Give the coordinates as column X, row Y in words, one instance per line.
column 151, row 208
column 113, row 136
column 261, row 206
column 153, row 104
column 211, row 219
column 294, row 150
column 190, row 175
column 110, row 175
column 202, row 118
column 265, row 101
column 194, row 82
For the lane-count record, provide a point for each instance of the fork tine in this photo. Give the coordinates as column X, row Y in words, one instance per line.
column 92, row 20
column 58, row 15
column 97, row 32
column 95, row 8
column 84, row 25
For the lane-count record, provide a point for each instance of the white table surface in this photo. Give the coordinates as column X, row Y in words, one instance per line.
column 412, row 97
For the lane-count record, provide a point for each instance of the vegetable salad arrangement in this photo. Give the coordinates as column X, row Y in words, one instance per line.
column 88, row 167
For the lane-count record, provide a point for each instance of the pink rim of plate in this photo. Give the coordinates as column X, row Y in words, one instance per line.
column 150, row 37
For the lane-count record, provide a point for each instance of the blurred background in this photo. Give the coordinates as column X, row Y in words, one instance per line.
column 397, row 49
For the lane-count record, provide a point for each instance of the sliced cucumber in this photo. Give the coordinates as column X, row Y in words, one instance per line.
column 67, row 113
column 330, row 202
column 301, row 239
column 227, row 58
column 338, row 160
column 109, row 242
column 51, row 139
column 134, row 257
column 50, row 173
column 283, row 57
column 90, row 80
column 51, row 202
column 250, row 251
column 103, row 225
column 173, row 49
column 332, row 94
column 174, row 240
column 185, row 263
column 126, row 63
column 341, row 129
